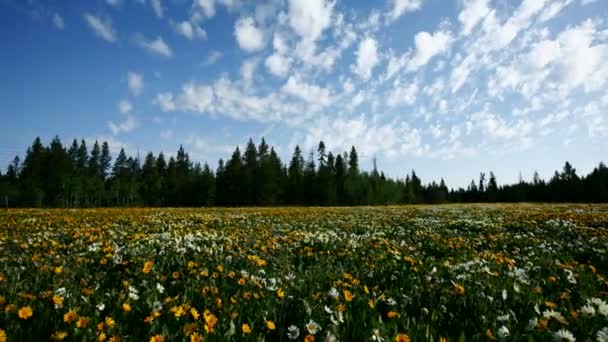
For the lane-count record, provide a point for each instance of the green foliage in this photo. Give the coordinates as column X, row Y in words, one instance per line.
column 54, row 176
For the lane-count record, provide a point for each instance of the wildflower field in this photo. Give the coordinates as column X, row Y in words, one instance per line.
column 428, row 273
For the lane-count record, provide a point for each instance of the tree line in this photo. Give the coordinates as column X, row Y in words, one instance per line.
column 57, row 176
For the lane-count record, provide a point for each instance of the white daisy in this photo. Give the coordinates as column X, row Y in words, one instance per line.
column 293, row 332
column 588, row 310
column 313, row 327
column 503, row 332
column 376, row 336
column 602, row 335
column 333, row 293
column 564, row 335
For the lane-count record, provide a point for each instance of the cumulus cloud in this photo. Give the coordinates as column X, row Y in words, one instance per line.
column 157, row 46
column 157, row 7
column 135, row 82
column 495, row 127
column 189, row 30
column 166, row 134
column 249, row 37
column 225, row 97
column 113, row 3
column 553, row 10
column 427, row 46
column 124, row 106
column 400, row 7
column 310, row 93
column 207, row 7
column 278, row 64
column 570, row 61
column 309, row 18
column 248, row 68
column 124, row 127
column 389, row 139
column 403, row 95
column 213, row 57
column 367, row 58
column 101, row 27
column 473, row 12
column 58, row 21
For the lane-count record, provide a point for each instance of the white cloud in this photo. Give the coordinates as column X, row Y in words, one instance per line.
column 124, row 106
column 248, row 36
column 367, row 58
column 213, row 57
column 206, row 6
column 461, row 72
column 227, row 98
column 248, row 69
column 496, row 127
column 124, row 127
column 564, row 64
column 427, row 46
column 403, row 95
column 371, row 138
column 166, row 102
column 101, row 27
column 135, row 82
column 58, row 21
column 553, row 10
column 310, row 93
column 166, row 134
column 190, row 30
column 587, row 2
column 157, row 46
column 400, row 7
column 474, row 11
column 157, row 6
column 278, row 64
column 195, row 98
column 113, row 3
column 202, row 147
column 309, row 18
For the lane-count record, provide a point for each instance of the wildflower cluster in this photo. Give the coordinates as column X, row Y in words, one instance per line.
column 327, row 274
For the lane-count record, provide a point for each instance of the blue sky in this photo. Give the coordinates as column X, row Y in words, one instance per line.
column 449, row 88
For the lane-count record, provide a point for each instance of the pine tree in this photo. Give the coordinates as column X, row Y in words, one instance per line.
column 296, row 170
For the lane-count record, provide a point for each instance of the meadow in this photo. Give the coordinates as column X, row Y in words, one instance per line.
column 420, row 273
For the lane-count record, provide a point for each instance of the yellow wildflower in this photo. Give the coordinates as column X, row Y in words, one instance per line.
column 270, row 325
column 402, row 338
column 82, row 322
column 490, row 336
column 110, row 322
column 126, row 307
column 56, row 336
column 246, row 329
column 393, row 314
column 459, row 289
column 69, row 316
column 58, row 300
column 348, row 296
column 194, row 313
column 196, row 338
column 147, row 267
column 25, row 312
column 157, row 338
